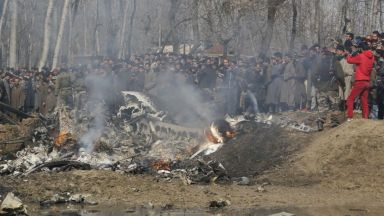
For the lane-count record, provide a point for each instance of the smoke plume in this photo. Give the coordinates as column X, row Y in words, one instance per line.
column 182, row 101
column 99, row 95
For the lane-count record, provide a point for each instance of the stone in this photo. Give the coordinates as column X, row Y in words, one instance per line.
column 12, row 205
column 219, row 203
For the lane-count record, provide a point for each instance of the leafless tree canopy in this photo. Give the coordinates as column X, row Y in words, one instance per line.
column 37, row 33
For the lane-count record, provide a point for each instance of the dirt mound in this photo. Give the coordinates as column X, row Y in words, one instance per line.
column 350, row 156
column 258, row 148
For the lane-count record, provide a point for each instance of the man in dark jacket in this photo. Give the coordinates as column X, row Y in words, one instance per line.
column 207, row 76
column 364, row 66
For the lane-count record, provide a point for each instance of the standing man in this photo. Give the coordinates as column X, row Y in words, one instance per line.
column 272, row 99
column 364, row 65
column 348, row 72
column 349, row 37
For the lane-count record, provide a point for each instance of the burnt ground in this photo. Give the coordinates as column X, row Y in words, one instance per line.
column 257, row 148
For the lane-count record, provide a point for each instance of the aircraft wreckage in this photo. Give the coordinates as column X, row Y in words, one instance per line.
column 140, row 137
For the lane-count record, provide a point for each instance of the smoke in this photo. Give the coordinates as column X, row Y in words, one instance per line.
column 183, row 101
column 99, row 95
column 254, row 102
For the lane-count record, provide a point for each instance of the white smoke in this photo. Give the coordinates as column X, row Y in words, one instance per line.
column 254, row 102
column 99, row 94
column 182, row 101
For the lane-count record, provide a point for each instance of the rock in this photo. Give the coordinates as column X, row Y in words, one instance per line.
column 261, row 189
column 164, row 173
column 3, row 168
column 168, row 206
column 244, row 181
column 12, row 205
column 149, row 205
column 219, row 203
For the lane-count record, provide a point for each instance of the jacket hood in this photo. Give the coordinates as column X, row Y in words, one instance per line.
column 368, row 53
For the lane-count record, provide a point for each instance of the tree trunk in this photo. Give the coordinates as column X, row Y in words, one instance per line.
column 47, row 36
column 318, row 20
column 380, row 8
column 4, row 10
column 96, row 31
column 372, row 16
column 5, row 5
column 122, row 33
column 131, row 28
column 195, row 25
column 60, row 34
column 344, row 18
column 266, row 38
column 294, row 25
column 172, row 22
column 13, row 38
column 71, row 17
column 85, row 52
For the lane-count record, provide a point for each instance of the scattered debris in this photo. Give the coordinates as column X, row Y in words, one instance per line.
column 168, row 206
column 261, row 189
column 12, row 205
column 219, row 203
column 284, row 122
column 60, row 165
column 242, row 181
column 68, row 198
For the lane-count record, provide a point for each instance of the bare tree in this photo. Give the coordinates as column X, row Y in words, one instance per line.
column 13, row 38
column 130, row 30
column 122, row 32
column 195, row 25
column 318, row 20
column 60, row 34
column 175, row 4
column 5, row 6
column 266, row 39
column 47, row 35
column 294, row 25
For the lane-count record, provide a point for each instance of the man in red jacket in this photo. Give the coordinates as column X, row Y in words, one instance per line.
column 364, row 65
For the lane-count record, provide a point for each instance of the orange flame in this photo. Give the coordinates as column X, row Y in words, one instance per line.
column 208, row 134
column 161, row 165
column 211, row 138
column 62, row 138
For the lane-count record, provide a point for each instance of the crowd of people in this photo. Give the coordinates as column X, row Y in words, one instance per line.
column 313, row 79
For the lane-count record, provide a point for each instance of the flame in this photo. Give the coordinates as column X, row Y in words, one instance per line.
column 213, row 139
column 161, row 165
column 62, row 138
column 230, row 134
column 208, row 134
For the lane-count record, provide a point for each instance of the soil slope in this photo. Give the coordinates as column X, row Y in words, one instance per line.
column 350, row 156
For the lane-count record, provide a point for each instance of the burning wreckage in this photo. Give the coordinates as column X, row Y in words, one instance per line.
column 139, row 138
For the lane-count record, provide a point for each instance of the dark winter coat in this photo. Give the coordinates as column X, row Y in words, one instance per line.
column 207, row 78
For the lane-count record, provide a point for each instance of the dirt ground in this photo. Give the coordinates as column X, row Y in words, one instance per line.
column 127, row 191
column 334, row 172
